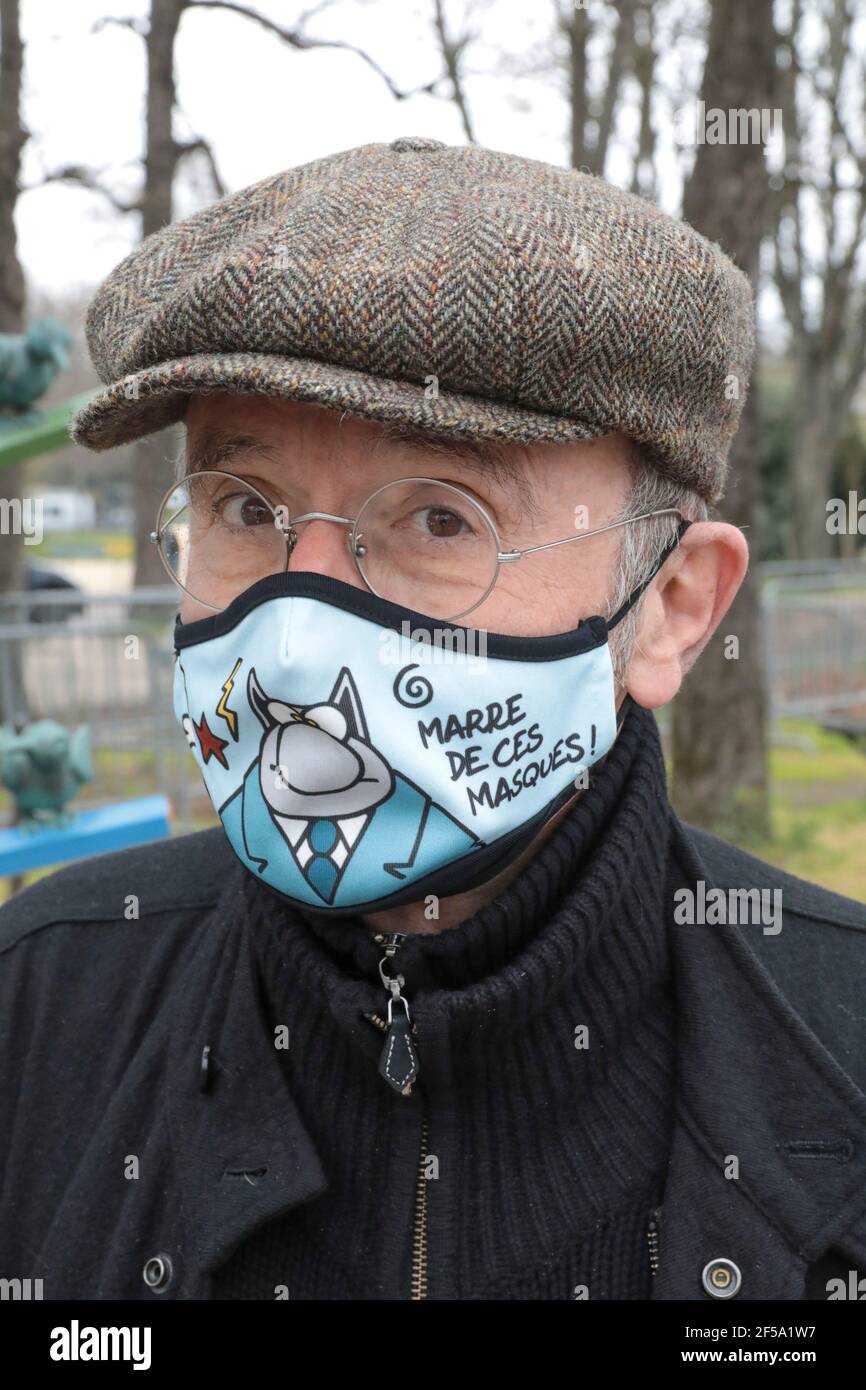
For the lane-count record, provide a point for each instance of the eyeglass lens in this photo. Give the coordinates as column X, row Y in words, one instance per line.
column 421, row 544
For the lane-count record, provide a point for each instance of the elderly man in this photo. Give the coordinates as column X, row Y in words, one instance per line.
column 449, row 1005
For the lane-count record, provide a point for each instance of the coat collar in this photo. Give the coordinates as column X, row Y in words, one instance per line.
column 754, row 1086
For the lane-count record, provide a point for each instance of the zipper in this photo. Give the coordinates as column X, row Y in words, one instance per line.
column 419, row 1233
column 401, row 1033
column 399, row 1067
column 652, row 1236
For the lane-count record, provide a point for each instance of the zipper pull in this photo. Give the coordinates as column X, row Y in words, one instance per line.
column 398, row 1063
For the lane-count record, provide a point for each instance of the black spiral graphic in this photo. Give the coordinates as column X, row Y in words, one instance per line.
column 418, row 690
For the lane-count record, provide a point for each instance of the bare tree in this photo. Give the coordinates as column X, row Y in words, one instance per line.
column 719, row 717
column 819, row 235
column 452, row 49
column 13, row 137
column 643, row 61
column 151, row 465
column 593, row 109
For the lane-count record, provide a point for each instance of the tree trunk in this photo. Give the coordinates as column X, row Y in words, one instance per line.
column 811, row 463
column 151, row 464
column 720, row 716
column 578, row 35
column 12, row 302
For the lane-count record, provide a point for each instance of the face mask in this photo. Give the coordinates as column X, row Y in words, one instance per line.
column 361, row 755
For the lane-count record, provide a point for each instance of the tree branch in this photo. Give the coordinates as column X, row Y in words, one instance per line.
column 87, row 178
column 295, row 39
column 184, row 147
column 138, row 26
column 621, row 58
column 789, row 287
column 452, row 51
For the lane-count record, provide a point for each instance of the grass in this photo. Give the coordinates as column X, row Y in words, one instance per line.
column 826, row 845
column 818, row 810
column 107, row 545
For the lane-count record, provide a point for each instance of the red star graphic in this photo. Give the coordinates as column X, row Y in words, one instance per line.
column 211, row 745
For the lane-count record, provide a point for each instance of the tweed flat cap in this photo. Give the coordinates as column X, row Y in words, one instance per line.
column 461, row 290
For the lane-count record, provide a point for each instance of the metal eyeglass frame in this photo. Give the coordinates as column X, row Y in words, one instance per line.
column 355, row 537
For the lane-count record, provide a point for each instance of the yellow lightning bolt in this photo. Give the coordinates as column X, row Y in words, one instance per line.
column 222, row 708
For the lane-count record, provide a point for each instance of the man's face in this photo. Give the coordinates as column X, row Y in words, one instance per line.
column 307, row 458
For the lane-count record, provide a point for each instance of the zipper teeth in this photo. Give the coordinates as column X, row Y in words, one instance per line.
column 419, row 1236
column 419, row 1230
column 653, row 1241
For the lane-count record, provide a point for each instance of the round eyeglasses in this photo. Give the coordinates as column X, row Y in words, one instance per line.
column 417, row 542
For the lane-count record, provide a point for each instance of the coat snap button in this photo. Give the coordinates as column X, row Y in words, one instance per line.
column 721, row 1278
column 157, row 1273
column 416, row 142
column 206, row 1068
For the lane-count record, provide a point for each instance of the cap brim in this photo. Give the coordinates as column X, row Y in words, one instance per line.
column 151, row 399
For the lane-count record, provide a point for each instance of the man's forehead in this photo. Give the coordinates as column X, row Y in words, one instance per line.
column 211, row 445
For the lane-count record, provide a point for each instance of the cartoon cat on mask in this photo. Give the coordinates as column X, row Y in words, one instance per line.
column 321, row 791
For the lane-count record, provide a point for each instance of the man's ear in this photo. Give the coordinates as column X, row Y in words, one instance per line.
column 683, row 607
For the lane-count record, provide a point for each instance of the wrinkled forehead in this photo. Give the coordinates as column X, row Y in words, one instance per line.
column 236, row 433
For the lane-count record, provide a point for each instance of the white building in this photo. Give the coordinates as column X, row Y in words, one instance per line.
column 67, row 509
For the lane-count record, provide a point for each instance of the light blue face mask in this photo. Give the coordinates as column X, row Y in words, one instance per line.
column 361, row 755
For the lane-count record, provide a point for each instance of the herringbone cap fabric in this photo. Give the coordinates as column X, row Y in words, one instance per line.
column 462, row 290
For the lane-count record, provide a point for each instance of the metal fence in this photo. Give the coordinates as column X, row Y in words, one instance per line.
column 814, row 640
column 107, row 661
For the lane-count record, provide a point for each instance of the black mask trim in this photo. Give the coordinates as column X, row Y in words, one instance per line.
column 589, row 634
column 460, row 876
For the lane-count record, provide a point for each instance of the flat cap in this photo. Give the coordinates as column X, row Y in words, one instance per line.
column 462, row 290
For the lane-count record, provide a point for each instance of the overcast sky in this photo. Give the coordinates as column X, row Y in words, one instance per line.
column 265, row 107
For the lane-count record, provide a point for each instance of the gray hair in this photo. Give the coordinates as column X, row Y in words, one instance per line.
column 643, row 543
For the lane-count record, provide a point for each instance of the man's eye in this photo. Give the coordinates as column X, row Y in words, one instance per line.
column 442, row 523
column 242, row 509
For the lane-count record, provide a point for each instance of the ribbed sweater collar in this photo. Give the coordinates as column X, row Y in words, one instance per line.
column 585, row 917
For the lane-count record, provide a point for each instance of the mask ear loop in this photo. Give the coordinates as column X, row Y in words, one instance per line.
column 632, row 600
column 636, row 593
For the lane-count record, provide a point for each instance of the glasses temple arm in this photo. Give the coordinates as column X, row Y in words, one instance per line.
column 584, row 535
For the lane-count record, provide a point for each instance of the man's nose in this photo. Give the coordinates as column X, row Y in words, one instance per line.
column 322, row 547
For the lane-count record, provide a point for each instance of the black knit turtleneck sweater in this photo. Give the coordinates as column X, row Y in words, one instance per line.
column 521, row 1165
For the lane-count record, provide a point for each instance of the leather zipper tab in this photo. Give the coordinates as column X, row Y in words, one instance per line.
column 398, row 1063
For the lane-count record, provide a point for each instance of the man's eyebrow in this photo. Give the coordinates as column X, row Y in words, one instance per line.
column 213, row 448
column 489, row 457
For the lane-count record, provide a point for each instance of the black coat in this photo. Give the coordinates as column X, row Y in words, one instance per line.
column 103, row 1020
